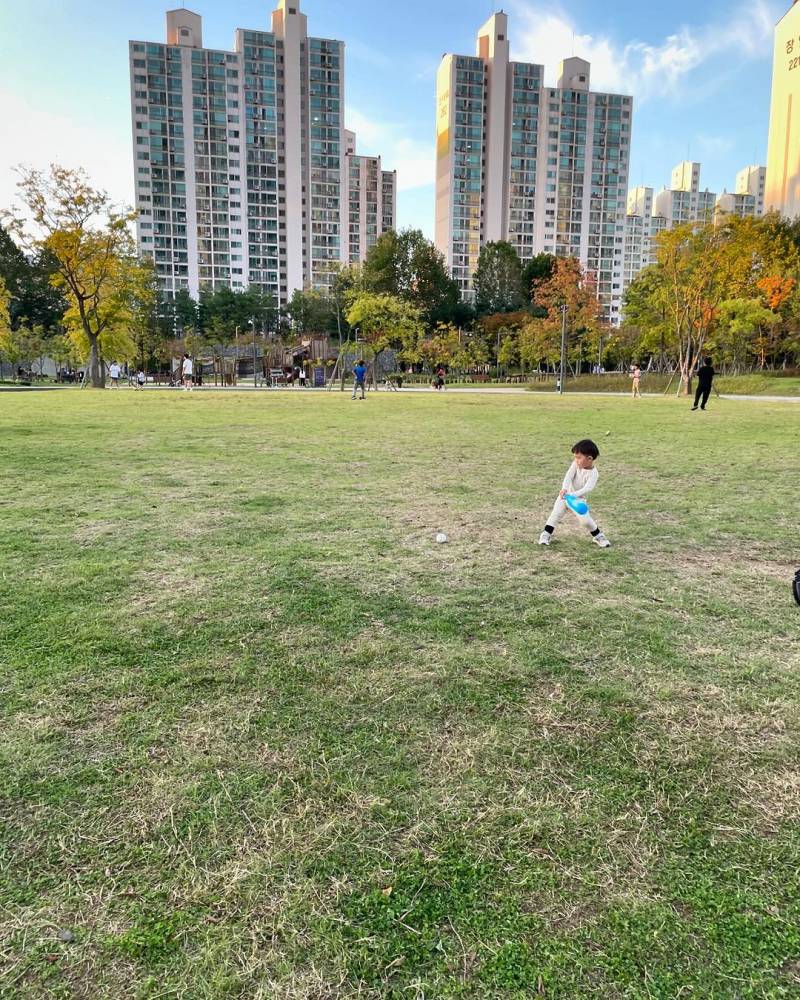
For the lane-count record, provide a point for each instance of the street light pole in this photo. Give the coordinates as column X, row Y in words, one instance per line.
column 563, row 349
column 252, row 322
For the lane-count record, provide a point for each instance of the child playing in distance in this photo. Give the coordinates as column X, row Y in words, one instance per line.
column 636, row 375
column 580, row 480
column 359, row 376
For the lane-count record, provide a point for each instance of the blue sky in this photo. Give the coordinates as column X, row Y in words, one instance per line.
column 700, row 74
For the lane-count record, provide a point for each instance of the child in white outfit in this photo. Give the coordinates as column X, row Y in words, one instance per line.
column 580, row 480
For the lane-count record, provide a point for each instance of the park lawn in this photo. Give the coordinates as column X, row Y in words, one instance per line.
column 261, row 737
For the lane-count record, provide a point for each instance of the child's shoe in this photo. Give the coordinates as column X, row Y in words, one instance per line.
column 544, row 538
column 601, row 540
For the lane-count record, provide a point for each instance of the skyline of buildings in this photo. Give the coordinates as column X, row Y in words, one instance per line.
column 544, row 168
column 246, row 175
column 650, row 213
column 243, row 175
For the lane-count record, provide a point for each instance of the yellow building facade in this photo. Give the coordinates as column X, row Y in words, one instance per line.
column 783, row 159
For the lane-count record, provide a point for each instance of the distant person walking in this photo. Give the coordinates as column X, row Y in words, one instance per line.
column 302, row 376
column 141, row 378
column 440, row 374
column 114, row 371
column 705, row 380
column 187, row 373
column 636, row 375
column 360, row 376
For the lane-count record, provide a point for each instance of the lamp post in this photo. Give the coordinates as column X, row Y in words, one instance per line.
column 563, row 349
column 236, row 358
column 252, row 322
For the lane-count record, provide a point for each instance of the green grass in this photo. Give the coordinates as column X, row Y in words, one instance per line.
column 261, row 738
column 756, row 384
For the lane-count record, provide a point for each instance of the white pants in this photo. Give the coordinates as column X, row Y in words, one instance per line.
column 560, row 510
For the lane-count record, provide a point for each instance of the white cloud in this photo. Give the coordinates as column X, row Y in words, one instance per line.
column 413, row 159
column 714, row 145
column 37, row 137
column 643, row 69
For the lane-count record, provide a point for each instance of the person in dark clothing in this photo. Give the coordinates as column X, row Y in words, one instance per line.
column 705, row 378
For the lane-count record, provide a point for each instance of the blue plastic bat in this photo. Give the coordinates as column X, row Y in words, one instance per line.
column 576, row 504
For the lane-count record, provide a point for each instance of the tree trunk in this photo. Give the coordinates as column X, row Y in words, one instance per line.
column 96, row 372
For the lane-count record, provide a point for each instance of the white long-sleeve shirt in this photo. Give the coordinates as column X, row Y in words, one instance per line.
column 580, row 482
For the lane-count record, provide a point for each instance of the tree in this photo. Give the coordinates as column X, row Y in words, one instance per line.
column 312, row 312
column 646, row 323
column 498, row 279
column 386, row 321
column 538, row 269
column 743, row 326
column 568, row 286
column 344, row 283
column 93, row 252
column 408, row 266
column 7, row 346
column 441, row 349
column 34, row 300
column 146, row 330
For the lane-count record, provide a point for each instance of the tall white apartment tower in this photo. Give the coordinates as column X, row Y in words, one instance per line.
column 371, row 200
column 545, row 168
column 752, row 180
column 240, row 161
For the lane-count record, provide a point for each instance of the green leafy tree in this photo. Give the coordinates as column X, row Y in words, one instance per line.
column 408, row 266
column 536, row 270
column 146, row 329
column 385, row 321
column 744, row 327
column 312, row 311
column 498, row 279
column 34, row 300
column 646, row 324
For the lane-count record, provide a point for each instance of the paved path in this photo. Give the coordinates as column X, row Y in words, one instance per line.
column 489, row 390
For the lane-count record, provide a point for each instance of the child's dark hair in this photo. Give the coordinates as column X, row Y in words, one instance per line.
column 586, row 447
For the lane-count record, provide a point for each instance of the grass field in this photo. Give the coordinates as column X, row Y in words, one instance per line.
column 261, row 738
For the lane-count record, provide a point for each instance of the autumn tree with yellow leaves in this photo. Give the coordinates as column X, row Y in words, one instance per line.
column 93, row 249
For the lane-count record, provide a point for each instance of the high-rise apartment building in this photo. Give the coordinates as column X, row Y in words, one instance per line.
column 752, row 180
column 783, row 156
column 240, row 162
column 641, row 229
column 743, row 205
column 649, row 215
column 371, row 200
column 545, row 168
column 683, row 201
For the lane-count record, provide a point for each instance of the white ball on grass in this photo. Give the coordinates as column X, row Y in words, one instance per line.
column 441, row 538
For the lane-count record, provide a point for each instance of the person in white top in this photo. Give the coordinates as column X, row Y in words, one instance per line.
column 580, row 480
column 187, row 371
column 114, row 371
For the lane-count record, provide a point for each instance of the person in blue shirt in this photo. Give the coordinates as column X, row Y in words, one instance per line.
column 360, row 373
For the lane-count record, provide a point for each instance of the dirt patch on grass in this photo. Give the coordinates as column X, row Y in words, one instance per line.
column 163, row 586
column 94, row 532
column 775, row 795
